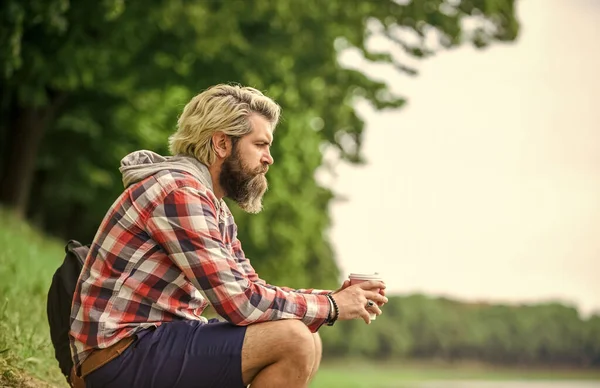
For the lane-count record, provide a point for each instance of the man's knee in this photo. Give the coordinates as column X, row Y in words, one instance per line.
column 286, row 345
column 298, row 348
column 300, row 343
column 287, row 341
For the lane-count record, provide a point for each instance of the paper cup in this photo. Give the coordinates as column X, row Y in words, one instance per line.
column 356, row 278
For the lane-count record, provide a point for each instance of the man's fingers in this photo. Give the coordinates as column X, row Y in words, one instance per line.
column 376, row 297
column 364, row 314
column 372, row 284
column 375, row 309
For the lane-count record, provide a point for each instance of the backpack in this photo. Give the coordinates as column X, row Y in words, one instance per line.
column 60, row 298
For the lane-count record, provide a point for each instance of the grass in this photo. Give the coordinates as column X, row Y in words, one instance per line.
column 361, row 374
column 27, row 262
column 28, row 259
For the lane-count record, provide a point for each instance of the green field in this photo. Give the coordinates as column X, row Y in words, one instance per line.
column 360, row 374
column 27, row 262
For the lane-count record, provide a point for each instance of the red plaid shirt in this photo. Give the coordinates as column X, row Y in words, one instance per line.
column 165, row 250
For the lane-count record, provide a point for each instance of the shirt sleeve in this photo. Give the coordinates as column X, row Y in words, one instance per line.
column 245, row 264
column 186, row 226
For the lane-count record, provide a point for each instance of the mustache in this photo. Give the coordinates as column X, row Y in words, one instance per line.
column 261, row 170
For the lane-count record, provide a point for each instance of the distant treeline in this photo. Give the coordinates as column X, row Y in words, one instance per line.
column 421, row 327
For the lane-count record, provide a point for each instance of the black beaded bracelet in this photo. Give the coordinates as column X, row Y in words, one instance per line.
column 331, row 321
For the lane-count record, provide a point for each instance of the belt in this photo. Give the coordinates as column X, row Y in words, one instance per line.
column 99, row 358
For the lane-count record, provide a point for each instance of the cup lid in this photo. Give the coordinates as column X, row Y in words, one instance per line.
column 369, row 276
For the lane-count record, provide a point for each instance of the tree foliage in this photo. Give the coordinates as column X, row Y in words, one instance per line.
column 421, row 327
column 84, row 83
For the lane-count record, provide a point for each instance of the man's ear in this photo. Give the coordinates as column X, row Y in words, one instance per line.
column 221, row 144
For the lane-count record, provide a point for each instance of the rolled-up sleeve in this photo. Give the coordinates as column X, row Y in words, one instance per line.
column 185, row 224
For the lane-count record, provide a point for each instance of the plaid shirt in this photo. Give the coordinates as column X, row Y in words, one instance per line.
column 166, row 249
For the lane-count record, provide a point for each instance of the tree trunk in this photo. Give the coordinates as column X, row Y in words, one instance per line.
column 26, row 130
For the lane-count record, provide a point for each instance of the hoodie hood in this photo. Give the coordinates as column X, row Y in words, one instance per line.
column 139, row 165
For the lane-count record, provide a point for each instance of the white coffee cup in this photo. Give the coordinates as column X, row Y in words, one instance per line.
column 356, row 278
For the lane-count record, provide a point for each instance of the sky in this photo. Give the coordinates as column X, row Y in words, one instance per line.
column 486, row 185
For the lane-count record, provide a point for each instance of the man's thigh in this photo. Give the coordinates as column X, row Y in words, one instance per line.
column 269, row 342
column 179, row 354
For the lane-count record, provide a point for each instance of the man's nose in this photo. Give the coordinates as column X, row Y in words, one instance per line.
column 267, row 158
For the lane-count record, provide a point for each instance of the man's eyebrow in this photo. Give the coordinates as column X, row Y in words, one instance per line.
column 265, row 140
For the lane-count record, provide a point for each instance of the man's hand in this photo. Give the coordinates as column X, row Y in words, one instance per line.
column 345, row 285
column 352, row 300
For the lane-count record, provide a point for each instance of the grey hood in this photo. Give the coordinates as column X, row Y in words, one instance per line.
column 139, row 165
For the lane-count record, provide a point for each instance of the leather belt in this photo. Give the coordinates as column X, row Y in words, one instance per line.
column 99, row 358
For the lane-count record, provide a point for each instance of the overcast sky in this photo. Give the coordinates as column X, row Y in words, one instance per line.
column 487, row 184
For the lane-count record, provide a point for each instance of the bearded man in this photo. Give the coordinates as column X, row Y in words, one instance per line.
column 167, row 248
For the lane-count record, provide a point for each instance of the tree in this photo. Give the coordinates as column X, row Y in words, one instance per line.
column 427, row 328
column 83, row 83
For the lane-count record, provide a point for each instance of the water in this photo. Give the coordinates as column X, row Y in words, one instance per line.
column 510, row 384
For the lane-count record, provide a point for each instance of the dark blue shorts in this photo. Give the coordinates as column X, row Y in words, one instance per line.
column 177, row 354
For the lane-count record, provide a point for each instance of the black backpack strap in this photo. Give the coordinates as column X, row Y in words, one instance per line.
column 78, row 249
column 60, row 296
column 72, row 244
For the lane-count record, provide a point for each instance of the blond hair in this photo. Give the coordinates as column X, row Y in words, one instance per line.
column 224, row 108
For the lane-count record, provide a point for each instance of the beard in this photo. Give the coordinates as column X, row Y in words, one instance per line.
column 245, row 186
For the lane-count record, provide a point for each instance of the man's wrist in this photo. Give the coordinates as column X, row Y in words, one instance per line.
column 334, row 312
column 331, row 310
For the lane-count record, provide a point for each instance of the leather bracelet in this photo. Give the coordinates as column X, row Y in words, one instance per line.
column 331, row 321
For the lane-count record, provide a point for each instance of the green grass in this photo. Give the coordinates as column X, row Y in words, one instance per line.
column 360, row 374
column 27, row 262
